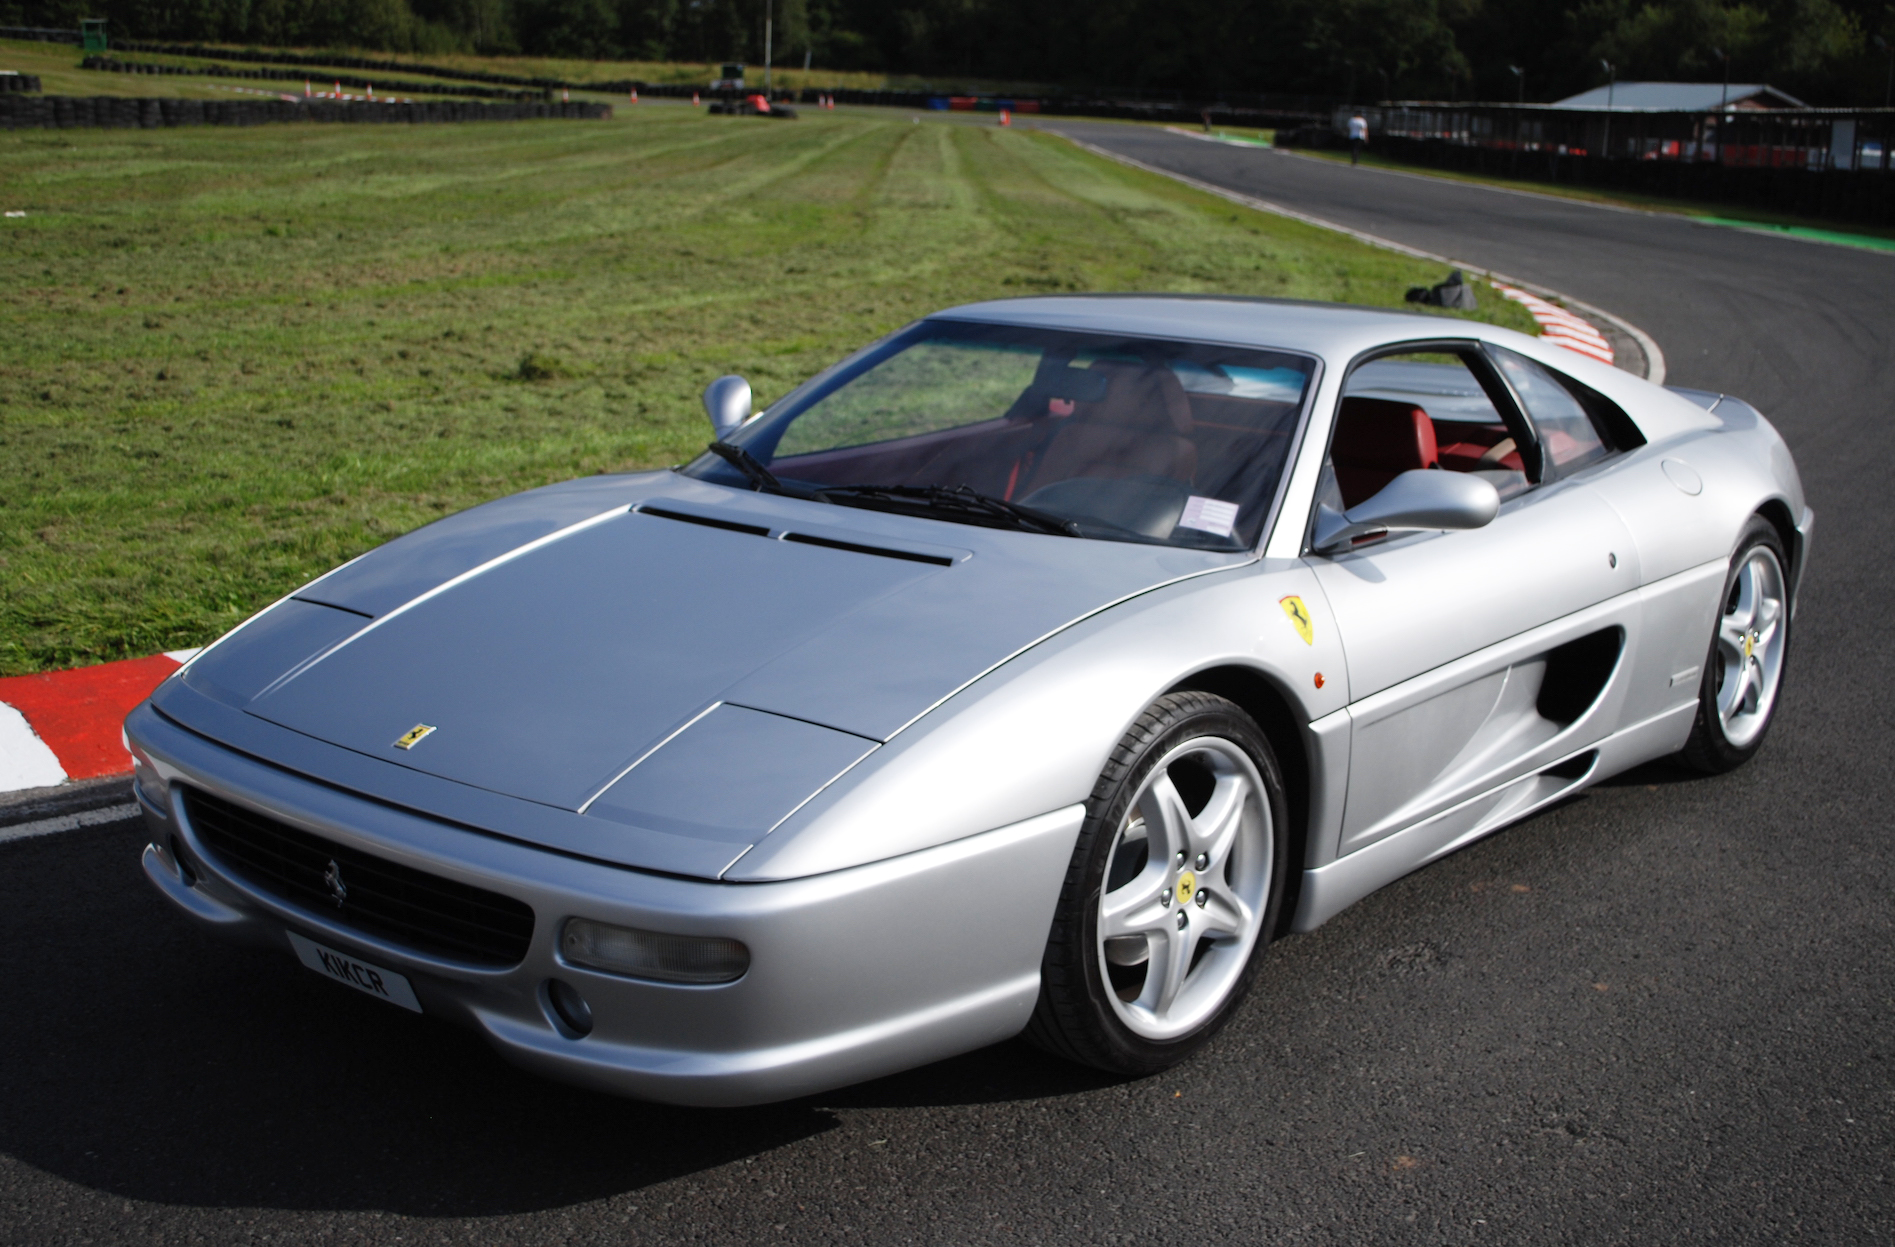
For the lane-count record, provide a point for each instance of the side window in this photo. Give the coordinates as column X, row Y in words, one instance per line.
column 1418, row 410
column 1571, row 438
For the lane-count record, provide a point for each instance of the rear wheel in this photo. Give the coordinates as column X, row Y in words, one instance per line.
column 1174, row 885
column 1743, row 673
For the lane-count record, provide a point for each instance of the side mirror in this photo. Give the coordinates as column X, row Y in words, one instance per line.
column 1419, row 498
column 727, row 402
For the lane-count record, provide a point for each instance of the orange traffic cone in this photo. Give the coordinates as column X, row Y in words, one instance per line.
column 634, row 95
column 693, row 98
column 371, row 90
column 565, row 96
column 305, row 88
column 1006, row 117
column 338, row 90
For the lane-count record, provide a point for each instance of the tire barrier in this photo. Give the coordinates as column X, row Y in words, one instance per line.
column 18, row 82
column 110, row 65
column 1264, row 114
column 39, row 34
column 262, row 56
column 66, row 112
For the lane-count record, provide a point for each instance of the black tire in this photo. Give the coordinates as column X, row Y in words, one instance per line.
column 1076, row 1016
column 1709, row 748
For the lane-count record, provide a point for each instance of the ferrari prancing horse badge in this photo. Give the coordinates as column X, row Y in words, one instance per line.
column 1299, row 616
column 412, row 737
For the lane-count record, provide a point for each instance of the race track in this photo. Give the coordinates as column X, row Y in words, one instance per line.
column 1664, row 1012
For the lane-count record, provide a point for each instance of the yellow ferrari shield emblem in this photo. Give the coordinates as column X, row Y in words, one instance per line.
column 413, row 736
column 1747, row 644
column 1187, row 886
column 1299, row 617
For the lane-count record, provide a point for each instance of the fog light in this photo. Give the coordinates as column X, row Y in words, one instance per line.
column 569, row 1007
column 652, row 954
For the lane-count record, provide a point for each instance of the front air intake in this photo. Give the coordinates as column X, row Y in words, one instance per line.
column 380, row 898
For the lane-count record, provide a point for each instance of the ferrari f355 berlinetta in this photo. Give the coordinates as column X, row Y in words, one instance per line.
column 1029, row 671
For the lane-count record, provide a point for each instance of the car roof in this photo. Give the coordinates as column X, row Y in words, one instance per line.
column 1335, row 331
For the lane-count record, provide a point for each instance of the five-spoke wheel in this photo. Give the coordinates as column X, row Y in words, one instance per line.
column 1172, row 893
column 1187, row 881
column 1744, row 669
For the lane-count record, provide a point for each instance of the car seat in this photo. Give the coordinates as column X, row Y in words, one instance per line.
column 1376, row 440
column 1141, row 428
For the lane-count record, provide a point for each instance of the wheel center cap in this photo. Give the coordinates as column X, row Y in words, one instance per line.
column 1750, row 642
column 1187, row 885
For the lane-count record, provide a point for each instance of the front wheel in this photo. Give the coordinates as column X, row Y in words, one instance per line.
column 1173, row 889
column 1743, row 672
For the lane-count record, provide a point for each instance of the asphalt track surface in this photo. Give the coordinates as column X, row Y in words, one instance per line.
column 1659, row 1013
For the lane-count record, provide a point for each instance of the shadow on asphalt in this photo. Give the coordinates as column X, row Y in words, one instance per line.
column 1661, row 773
column 143, row 1058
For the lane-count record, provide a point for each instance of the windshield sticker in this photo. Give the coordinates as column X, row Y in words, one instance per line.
column 1209, row 515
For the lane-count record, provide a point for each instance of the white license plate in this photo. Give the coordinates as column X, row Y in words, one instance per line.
column 363, row 977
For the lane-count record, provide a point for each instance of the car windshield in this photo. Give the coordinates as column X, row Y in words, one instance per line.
column 1108, row 437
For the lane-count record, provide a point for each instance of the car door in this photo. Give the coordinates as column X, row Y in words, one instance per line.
column 1478, row 657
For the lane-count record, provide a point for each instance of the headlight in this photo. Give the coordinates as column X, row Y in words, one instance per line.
column 652, row 954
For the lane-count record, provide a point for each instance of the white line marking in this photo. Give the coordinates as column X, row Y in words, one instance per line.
column 1654, row 358
column 26, row 761
column 69, row 822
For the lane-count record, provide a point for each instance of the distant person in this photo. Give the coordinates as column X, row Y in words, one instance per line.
column 1358, row 135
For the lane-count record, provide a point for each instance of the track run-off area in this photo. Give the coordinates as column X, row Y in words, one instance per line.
column 1662, row 1012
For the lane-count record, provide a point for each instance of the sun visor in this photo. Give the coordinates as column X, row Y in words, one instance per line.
column 730, row 776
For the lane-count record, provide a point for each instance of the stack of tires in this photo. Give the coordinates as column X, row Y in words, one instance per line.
column 65, row 112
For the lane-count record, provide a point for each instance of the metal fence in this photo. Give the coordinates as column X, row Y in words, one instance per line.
column 1816, row 139
column 1820, row 162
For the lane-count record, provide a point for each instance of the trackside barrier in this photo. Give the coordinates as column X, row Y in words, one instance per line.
column 1267, row 112
column 19, row 82
column 1828, row 163
column 64, row 112
column 112, row 65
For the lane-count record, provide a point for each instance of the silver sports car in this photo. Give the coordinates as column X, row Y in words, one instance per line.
column 1026, row 672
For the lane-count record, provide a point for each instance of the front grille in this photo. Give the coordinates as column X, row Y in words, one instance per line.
column 381, row 898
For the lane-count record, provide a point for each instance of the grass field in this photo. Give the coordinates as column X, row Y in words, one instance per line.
column 236, row 357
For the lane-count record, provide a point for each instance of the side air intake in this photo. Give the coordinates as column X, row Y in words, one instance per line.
column 1577, row 672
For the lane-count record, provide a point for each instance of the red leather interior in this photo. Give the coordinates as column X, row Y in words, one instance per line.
column 1466, row 455
column 1376, row 440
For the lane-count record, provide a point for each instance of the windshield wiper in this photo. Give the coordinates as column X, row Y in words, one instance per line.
column 752, row 467
column 962, row 499
column 761, row 478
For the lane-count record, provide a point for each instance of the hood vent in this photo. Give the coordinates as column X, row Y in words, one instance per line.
column 805, row 539
column 913, row 556
column 663, row 513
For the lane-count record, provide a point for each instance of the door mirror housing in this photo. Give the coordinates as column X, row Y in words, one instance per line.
column 1419, row 498
column 727, row 402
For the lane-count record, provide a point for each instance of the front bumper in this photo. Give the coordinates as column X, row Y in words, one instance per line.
column 853, row 974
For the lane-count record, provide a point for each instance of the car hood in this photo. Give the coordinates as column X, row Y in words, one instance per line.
column 558, row 650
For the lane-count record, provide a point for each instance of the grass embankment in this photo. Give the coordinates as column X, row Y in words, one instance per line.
column 237, row 357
